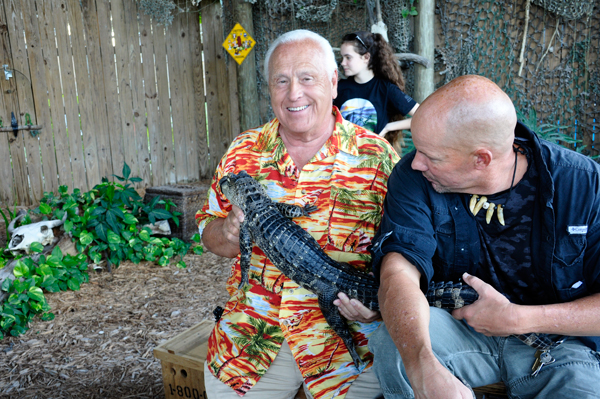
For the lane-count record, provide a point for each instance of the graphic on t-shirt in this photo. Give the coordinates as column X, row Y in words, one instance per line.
column 361, row 112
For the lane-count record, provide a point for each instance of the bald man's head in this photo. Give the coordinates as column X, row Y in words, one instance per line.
column 469, row 112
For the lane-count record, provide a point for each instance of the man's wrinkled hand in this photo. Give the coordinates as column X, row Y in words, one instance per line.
column 352, row 309
column 492, row 314
column 231, row 226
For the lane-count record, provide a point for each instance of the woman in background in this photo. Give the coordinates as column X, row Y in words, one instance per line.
column 373, row 95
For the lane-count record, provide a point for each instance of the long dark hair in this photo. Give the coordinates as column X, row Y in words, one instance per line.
column 385, row 66
column 382, row 60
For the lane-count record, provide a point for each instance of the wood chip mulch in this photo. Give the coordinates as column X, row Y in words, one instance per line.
column 100, row 345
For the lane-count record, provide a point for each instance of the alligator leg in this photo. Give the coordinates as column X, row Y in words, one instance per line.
column 294, row 211
column 338, row 323
column 245, row 253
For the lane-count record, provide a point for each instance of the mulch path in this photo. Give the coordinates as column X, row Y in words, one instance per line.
column 100, row 345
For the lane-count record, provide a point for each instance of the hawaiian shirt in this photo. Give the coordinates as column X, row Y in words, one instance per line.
column 347, row 181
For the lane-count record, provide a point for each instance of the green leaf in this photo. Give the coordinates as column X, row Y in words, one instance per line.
column 57, row 253
column 20, row 286
column 36, row 294
column 47, row 316
column 44, row 270
column 7, row 285
column 101, row 230
column 145, row 234
column 86, row 238
column 199, row 250
column 163, row 261
column 196, row 238
column 181, row 264
column 36, row 247
column 45, row 209
column 130, row 219
column 21, row 270
column 112, row 237
column 73, row 284
column 48, row 281
column 68, row 225
column 160, row 214
column 97, row 211
column 126, row 171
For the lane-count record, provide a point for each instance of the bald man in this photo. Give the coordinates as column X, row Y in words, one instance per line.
column 517, row 218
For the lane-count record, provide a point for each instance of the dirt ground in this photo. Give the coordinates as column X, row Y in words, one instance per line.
column 100, row 345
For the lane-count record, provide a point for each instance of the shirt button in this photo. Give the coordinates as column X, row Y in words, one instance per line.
column 303, row 191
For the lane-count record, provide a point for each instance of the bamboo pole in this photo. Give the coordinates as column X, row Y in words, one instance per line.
column 425, row 47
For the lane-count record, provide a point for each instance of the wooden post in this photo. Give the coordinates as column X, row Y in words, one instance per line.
column 246, row 76
column 424, row 46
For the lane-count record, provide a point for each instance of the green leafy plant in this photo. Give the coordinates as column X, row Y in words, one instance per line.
column 105, row 222
column 26, row 300
column 411, row 10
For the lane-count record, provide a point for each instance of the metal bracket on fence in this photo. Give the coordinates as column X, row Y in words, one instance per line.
column 7, row 72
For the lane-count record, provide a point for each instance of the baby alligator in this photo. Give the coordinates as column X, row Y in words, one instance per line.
column 298, row 255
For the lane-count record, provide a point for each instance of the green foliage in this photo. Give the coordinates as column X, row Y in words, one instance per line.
column 552, row 133
column 411, row 10
column 26, row 300
column 104, row 224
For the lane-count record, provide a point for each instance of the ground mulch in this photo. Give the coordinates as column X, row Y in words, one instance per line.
column 100, row 345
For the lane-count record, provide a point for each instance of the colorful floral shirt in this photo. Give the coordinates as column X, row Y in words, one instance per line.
column 347, row 181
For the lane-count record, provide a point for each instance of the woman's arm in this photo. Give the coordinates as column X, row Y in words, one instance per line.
column 404, row 124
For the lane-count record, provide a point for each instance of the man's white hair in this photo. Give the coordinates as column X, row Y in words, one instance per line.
column 300, row 35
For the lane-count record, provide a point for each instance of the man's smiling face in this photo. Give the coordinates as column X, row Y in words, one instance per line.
column 301, row 90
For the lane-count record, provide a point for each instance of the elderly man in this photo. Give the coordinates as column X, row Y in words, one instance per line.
column 272, row 337
column 532, row 254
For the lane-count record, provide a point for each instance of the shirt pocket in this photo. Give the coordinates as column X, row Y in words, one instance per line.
column 568, row 273
column 353, row 217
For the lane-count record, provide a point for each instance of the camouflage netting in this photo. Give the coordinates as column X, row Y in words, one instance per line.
column 560, row 74
column 560, row 78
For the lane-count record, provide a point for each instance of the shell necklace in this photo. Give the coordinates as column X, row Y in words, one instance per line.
column 477, row 202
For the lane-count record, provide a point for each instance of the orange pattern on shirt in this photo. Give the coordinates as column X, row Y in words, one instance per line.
column 347, row 181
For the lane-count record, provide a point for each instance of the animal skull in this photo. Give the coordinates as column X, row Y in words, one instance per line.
column 22, row 237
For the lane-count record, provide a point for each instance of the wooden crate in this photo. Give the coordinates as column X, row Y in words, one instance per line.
column 188, row 199
column 182, row 359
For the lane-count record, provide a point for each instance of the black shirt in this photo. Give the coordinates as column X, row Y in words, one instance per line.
column 371, row 104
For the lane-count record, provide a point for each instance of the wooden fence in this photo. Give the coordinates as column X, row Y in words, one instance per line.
column 109, row 86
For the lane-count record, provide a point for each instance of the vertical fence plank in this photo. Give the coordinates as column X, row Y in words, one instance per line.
column 216, row 84
column 69, row 95
column 84, row 92
column 124, row 85
column 176, row 88
column 199, row 96
column 137, row 91
column 15, row 88
column 99, row 129
column 164, row 104
column 151, row 97
column 7, row 101
column 189, row 120
column 58, row 129
column 110, row 86
column 40, row 115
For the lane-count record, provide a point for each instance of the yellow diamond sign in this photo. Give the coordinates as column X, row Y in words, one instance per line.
column 238, row 43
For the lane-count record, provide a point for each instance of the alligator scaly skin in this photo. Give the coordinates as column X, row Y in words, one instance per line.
column 296, row 253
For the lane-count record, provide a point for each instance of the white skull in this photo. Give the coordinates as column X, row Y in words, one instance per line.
column 22, row 237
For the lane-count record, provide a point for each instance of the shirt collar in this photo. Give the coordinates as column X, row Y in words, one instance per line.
column 343, row 138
